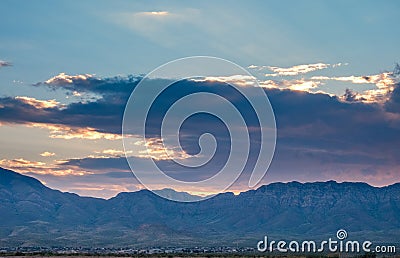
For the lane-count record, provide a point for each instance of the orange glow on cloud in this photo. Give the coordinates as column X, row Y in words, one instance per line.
column 65, row 132
column 39, row 104
column 384, row 82
column 298, row 85
column 154, row 148
column 47, row 154
column 158, row 13
column 63, row 78
column 22, row 165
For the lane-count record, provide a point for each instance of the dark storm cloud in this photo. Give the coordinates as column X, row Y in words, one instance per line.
column 104, row 114
column 315, row 131
column 313, row 128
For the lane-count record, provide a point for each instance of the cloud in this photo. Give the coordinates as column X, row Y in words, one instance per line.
column 154, row 13
column 384, row 82
column 240, row 80
column 39, row 104
column 72, row 178
column 155, row 149
column 102, row 165
column 316, row 132
column 4, row 63
column 97, row 164
column 381, row 80
column 298, row 69
column 58, row 131
column 296, row 85
column 62, row 79
column 294, row 70
column 90, row 83
column 112, row 152
column 47, row 154
column 21, row 163
column 393, row 103
column 26, row 166
column 73, row 121
column 320, row 136
column 96, row 118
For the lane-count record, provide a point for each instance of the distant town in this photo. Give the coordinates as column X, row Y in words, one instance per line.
column 24, row 251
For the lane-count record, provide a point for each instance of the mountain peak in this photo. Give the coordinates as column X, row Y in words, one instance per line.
column 177, row 195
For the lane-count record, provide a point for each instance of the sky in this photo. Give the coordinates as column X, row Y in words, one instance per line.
column 328, row 68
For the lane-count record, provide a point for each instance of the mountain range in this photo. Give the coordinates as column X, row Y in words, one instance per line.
column 35, row 215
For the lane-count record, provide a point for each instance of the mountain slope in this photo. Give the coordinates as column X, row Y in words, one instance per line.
column 33, row 214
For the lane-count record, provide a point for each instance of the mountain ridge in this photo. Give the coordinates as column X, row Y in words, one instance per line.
column 40, row 216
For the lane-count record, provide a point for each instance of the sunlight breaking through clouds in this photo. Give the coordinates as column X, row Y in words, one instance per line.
column 83, row 122
column 155, row 149
column 59, row 131
column 294, row 70
column 384, row 82
column 297, row 85
column 39, row 103
column 26, row 166
column 63, row 78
